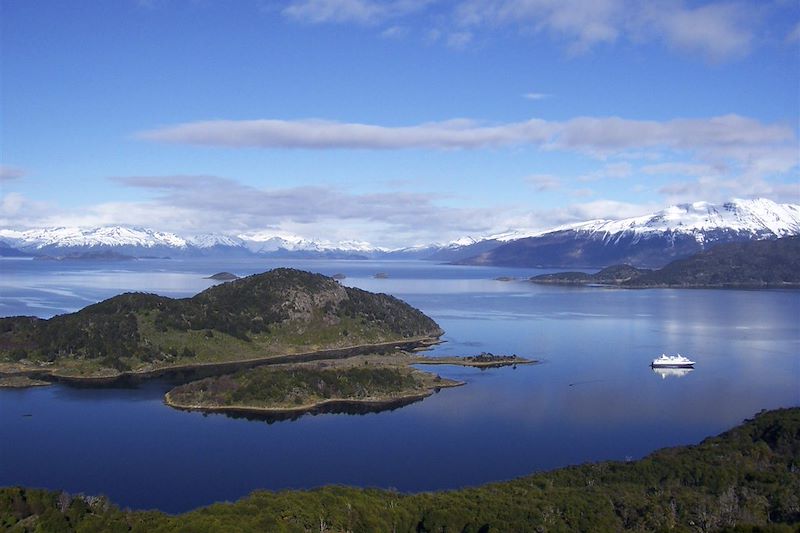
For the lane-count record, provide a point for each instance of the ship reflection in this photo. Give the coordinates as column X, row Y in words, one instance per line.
column 672, row 372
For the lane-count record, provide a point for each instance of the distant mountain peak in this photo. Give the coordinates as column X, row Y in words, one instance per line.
column 758, row 217
column 648, row 240
column 101, row 236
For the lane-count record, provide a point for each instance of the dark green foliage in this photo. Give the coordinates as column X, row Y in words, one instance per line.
column 768, row 263
column 270, row 385
column 746, row 480
column 754, row 263
column 393, row 313
column 112, row 329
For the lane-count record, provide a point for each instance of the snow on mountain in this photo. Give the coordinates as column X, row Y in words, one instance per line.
column 699, row 223
column 760, row 218
column 463, row 241
column 210, row 240
column 512, row 235
column 648, row 241
column 265, row 242
column 109, row 236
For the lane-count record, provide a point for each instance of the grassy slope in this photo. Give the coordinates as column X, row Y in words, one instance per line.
column 746, row 477
column 281, row 311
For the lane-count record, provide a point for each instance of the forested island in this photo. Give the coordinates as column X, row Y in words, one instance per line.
column 374, row 381
column 753, row 264
column 746, row 479
column 280, row 313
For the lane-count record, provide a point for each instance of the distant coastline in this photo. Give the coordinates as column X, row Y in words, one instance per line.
column 751, row 265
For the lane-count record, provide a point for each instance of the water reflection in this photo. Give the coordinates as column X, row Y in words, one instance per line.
column 672, row 372
column 343, row 407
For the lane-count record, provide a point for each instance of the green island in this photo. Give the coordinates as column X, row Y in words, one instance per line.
column 282, row 315
column 746, row 480
column 483, row 360
column 375, row 381
column 753, row 264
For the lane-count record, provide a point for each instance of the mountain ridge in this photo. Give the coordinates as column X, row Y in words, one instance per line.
column 652, row 240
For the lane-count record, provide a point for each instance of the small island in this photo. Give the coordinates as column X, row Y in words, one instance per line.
column 223, row 276
column 100, row 255
column 376, row 381
column 484, row 360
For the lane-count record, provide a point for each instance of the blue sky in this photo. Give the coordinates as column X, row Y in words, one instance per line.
column 397, row 121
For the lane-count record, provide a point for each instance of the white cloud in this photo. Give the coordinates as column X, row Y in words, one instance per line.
column 535, row 96
column 596, row 135
column 582, row 193
column 320, row 134
column 731, row 144
column 394, row 32
column 718, row 189
column 582, row 23
column 200, row 204
column 8, row 173
column 208, row 203
column 611, row 170
column 350, row 11
column 18, row 211
column 544, row 219
column 718, row 30
column 794, row 35
column 687, row 169
column 543, row 182
column 459, row 39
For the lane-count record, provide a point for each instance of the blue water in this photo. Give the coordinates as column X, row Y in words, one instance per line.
column 593, row 397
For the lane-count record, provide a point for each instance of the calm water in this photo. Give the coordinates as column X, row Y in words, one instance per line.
column 593, row 398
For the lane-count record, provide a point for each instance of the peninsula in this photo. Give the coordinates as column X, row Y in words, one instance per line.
column 754, row 264
column 281, row 315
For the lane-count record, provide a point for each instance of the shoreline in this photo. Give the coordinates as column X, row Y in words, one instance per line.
column 380, row 403
column 223, row 366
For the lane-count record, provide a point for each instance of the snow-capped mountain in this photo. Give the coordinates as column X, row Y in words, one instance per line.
column 758, row 217
column 144, row 242
column 265, row 242
column 117, row 238
column 650, row 240
column 212, row 240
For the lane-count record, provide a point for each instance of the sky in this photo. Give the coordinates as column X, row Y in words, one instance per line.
column 396, row 122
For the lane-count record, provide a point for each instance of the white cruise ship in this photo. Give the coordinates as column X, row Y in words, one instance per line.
column 672, row 361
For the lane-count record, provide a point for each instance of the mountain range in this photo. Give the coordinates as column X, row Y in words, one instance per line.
column 651, row 240
column 646, row 241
